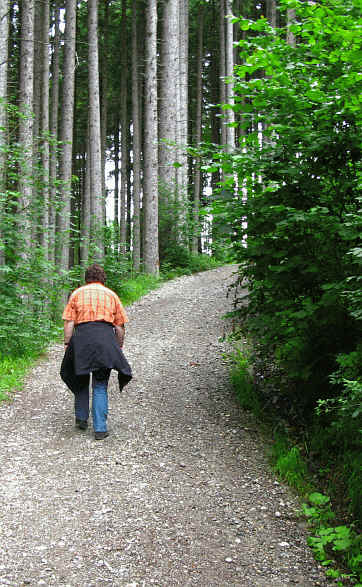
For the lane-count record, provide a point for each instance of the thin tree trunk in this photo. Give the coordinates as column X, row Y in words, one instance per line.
column 124, row 133
column 37, row 81
column 104, row 104
column 290, row 19
column 222, row 68
column 230, row 117
column 66, row 132
column 271, row 12
column 136, row 249
column 95, row 151
column 197, row 172
column 26, row 90
column 86, row 211
column 116, row 187
column 168, row 96
column 151, row 255
column 54, row 134
column 45, row 126
column 182, row 172
column 4, row 38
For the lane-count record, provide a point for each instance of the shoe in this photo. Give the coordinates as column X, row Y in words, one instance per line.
column 100, row 435
column 82, row 424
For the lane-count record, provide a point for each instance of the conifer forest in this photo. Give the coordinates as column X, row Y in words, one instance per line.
column 161, row 138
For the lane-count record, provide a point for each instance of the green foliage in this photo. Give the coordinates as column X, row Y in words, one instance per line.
column 333, row 544
column 132, row 289
column 241, row 378
column 12, row 373
column 300, row 191
column 289, row 464
column 295, row 213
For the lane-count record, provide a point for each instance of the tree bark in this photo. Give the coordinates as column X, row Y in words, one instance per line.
column 230, row 118
column 198, row 130
column 4, row 39
column 26, row 92
column 136, row 249
column 124, row 134
column 95, row 151
column 290, row 19
column 116, row 187
column 53, row 199
column 168, row 96
column 182, row 134
column 104, row 104
column 66, row 132
column 222, row 68
column 271, row 12
column 45, row 126
column 151, row 256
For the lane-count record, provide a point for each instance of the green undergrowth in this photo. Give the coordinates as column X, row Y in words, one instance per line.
column 12, row 373
column 332, row 518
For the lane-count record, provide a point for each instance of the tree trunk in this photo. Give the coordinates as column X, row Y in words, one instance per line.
column 66, row 132
column 86, row 205
column 222, row 68
column 95, row 151
column 124, row 133
column 4, row 38
column 136, row 249
column 182, row 135
column 290, row 19
column 168, row 96
column 26, row 89
column 104, row 104
column 271, row 12
column 230, row 118
column 116, row 187
column 53, row 200
column 197, row 171
column 45, row 127
column 151, row 137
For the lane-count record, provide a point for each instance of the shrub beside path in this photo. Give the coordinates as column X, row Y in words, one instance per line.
column 179, row 494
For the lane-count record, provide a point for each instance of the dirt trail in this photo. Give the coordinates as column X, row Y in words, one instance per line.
column 179, row 494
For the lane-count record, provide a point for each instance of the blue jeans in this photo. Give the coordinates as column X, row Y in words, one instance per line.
column 99, row 400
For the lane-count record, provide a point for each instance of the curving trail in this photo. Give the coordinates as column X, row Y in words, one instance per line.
column 178, row 495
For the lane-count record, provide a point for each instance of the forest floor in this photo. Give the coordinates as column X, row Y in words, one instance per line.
column 179, row 494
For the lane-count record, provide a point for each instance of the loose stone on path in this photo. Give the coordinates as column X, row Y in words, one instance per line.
column 180, row 494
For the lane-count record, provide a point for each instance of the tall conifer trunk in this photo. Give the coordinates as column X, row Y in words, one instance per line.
column 197, row 172
column 124, row 133
column 151, row 257
column 66, row 132
column 168, row 96
column 230, row 117
column 136, row 249
column 182, row 135
column 104, row 105
column 45, row 126
column 54, row 134
column 222, row 66
column 290, row 19
column 26, row 90
column 4, row 38
column 95, row 150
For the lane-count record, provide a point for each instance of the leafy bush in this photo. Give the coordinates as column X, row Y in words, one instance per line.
column 332, row 544
column 295, row 212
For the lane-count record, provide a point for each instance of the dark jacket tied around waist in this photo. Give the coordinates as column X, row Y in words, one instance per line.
column 93, row 346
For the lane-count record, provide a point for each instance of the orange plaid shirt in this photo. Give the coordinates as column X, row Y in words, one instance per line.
column 92, row 302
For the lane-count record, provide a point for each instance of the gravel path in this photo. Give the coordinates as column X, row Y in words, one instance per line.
column 180, row 492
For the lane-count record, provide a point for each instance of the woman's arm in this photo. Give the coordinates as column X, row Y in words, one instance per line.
column 120, row 332
column 68, row 331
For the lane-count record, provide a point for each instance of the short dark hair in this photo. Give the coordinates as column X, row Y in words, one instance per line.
column 95, row 273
